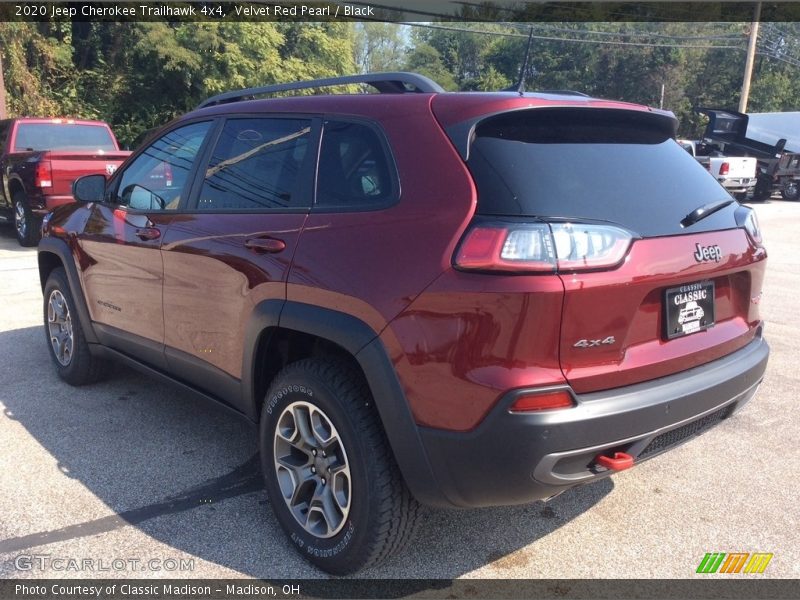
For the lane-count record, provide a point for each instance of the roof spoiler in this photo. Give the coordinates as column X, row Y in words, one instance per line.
column 462, row 134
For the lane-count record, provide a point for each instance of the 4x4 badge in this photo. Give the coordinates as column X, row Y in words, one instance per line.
column 707, row 253
column 593, row 343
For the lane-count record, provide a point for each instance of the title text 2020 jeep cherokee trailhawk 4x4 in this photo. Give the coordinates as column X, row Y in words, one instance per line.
column 461, row 299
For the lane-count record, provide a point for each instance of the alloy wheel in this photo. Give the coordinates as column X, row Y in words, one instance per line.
column 59, row 325
column 312, row 469
column 20, row 219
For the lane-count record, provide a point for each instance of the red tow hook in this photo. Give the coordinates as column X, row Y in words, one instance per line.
column 619, row 462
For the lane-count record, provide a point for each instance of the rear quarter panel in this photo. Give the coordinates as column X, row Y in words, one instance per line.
column 469, row 338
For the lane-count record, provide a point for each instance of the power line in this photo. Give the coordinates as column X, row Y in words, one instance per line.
column 729, row 37
column 770, row 54
column 571, row 40
column 776, row 42
column 788, row 60
column 576, row 9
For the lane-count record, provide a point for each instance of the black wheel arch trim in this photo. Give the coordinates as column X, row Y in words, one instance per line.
column 14, row 184
column 59, row 248
column 364, row 344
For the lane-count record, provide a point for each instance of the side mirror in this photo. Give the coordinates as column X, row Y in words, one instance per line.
column 141, row 198
column 89, row 188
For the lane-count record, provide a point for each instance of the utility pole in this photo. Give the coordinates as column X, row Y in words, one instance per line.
column 2, row 91
column 751, row 55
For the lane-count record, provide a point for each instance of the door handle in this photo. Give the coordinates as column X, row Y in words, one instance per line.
column 265, row 244
column 148, row 233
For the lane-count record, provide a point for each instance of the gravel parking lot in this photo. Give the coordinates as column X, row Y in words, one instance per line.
column 136, row 470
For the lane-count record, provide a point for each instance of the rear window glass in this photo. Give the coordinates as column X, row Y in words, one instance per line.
column 55, row 136
column 604, row 165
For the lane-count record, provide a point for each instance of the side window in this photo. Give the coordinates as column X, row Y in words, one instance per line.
column 256, row 164
column 353, row 167
column 159, row 177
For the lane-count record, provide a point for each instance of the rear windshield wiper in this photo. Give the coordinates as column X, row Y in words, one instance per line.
column 698, row 214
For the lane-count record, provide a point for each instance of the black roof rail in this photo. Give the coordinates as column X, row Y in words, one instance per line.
column 562, row 93
column 386, row 83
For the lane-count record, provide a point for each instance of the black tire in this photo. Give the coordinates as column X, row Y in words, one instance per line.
column 26, row 224
column 791, row 191
column 740, row 196
column 79, row 367
column 382, row 513
column 763, row 190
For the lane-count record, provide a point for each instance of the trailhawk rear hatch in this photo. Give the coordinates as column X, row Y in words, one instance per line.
column 662, row 270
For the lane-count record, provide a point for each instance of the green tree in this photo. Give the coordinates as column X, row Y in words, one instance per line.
column 378, row 47
column 38, row 71
column 426, row 60
column 315, row 50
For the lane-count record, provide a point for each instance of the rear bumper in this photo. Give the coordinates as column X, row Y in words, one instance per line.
column 519, row 458
column 738, row 184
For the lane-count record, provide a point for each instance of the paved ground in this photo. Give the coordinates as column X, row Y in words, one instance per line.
column 132, row 469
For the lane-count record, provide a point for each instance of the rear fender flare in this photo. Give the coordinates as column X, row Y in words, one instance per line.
column 12, row 184
column 363, row 343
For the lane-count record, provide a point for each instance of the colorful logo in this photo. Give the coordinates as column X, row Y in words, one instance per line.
column 734, row 562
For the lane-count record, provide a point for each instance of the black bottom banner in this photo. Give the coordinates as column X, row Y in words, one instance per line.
column 545, row 589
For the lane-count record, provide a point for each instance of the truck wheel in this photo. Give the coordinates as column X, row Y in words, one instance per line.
column 25, row 222
column 790, row 191
column 62, row 327
column 330, row 475
column 762, row 191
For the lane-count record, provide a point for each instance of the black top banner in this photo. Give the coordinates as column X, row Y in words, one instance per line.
column 396, row 11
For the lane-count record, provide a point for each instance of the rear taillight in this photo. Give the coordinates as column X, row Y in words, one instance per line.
column 545, row 400
column 724, row 168
column 507, row 247
column 585, row 247
column 44, row 175
column 542, row 247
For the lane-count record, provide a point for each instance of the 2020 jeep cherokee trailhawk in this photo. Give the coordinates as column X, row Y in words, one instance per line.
column 459, row 299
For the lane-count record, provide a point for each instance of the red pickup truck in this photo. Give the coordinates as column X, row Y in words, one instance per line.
column 39, row 160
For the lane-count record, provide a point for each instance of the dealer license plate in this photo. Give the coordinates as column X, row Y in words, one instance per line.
column 689, row 309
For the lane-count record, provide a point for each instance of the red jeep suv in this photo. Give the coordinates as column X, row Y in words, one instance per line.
column 458, row 299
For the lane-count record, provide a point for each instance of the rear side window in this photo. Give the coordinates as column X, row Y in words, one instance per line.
column 354, row 168
column 602, row 164
column 256, row 164
column 54, row 136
